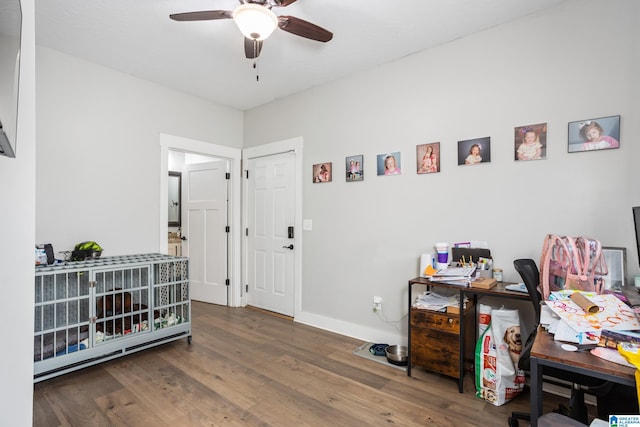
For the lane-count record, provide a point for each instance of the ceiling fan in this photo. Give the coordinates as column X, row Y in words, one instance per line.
column 256, row 21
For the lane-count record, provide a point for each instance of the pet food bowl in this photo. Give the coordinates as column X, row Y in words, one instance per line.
column 397, row 354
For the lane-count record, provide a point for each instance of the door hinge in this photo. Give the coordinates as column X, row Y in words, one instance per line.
column 227, row 282
column 246, row 231
column 227, row 229
column 247, row 173
column 246, row 288
column 227, row 175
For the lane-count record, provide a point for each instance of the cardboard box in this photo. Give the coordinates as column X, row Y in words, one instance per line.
column 484, row 283
column 456, row 309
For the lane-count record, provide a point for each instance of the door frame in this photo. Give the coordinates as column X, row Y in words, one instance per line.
column 234, row 156
column 295, row 145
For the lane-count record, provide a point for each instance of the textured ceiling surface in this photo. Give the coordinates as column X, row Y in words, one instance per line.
column 206, row 58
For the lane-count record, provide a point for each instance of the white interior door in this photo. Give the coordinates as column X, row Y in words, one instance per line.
column 204, row 222
column 271, row 211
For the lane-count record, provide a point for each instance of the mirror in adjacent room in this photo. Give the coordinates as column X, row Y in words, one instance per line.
column 175, row 198
column 10, row 33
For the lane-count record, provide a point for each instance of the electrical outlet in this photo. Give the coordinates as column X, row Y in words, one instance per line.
column 377, row 304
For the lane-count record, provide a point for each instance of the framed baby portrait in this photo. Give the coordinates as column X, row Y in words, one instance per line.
column 322, row 172
column 354, row 168
column 389, row 164
column 474, row 151
column 530, row 142
column 428, row 158
column 602, row 133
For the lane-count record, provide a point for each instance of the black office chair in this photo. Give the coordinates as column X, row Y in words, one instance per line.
column 577, row 410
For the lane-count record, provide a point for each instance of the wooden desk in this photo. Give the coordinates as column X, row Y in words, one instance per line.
column 456, row 322
column 547, row 352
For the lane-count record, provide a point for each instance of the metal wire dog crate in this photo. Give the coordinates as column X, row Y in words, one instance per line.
column 90, row 311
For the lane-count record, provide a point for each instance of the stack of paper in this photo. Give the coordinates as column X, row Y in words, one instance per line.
column 437, row 302
column 569, row 322
column 461, row 276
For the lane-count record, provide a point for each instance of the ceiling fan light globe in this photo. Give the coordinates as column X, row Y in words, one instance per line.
column 255, row 22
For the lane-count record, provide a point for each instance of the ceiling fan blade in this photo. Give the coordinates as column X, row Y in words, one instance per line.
column 252, row 48
column 305, row 29
column 282, row 3
column 203, row 15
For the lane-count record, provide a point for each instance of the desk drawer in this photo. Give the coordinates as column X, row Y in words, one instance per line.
column 436, row 351
column 434, row 320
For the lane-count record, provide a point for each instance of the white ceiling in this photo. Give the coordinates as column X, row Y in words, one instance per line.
column 207, row 59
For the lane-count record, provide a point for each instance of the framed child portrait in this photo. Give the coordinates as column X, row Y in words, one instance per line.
column 530, row 142
column 389, row 164
column 354, row 168
column 428, row 158
column 602, row 133
column 322, row 172
column 474, row 151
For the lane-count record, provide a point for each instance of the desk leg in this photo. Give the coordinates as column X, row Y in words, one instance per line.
column 535, row 372
column 462, row 341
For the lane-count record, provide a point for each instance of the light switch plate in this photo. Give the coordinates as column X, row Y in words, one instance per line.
column 307, row 224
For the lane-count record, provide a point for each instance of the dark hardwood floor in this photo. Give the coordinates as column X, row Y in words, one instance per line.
column 248, row 368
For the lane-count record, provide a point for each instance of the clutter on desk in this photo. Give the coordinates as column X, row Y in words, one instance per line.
column 460, row 276
column 435, row 301
column 517, row 287
column 584, row 303
column 612, row 314
column 613, row 323
column 442, row 250
column 611, row 355
column 611, row 339
column 483, row 283
column 631, row 353
column 463, row 254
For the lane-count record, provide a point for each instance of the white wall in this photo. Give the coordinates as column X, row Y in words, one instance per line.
column 17, row 234
column 98, row 152
column 552, row 67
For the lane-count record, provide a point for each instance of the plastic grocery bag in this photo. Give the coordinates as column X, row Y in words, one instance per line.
column 631, row 352
column 498, row 378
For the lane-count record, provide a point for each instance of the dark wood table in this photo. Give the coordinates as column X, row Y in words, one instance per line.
column 547, row 352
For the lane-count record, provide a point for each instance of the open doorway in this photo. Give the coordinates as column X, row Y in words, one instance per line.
column 173, row 147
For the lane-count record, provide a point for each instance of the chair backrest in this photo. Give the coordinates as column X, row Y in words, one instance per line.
column 528, row 271
column 530, row 274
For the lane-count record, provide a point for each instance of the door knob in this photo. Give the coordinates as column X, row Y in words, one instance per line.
column 183, row 238
column 289, row 247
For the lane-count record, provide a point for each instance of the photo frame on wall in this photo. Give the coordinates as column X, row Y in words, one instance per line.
column 616, row 259
column 428, row 158
column 322, row 172
column 602, row 133
column 474, row 151
column 354, row 168
column 530, row 142
column 389, row 164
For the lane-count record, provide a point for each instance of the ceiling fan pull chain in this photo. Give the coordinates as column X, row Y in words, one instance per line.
column 255, row 61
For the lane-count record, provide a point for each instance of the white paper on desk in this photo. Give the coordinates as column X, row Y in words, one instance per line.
column 564, row 332
column 553, row 325
column 612, row 355
column 547, row 316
